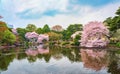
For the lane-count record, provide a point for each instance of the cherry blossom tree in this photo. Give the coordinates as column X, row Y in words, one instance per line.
column 34, row 37
column 42, row 37
column 94, row 34
column 14, row 31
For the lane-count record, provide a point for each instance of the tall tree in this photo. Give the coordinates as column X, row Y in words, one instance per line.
column 66, row 35
column 54, row 36
column 21, row 33
column 75, row 27
column 114, row 22
column 9, row 37
column 46, row 29
column 3, row 28
column 31, row 27
column 118, row 11
column 39, row 31
column 70, row 30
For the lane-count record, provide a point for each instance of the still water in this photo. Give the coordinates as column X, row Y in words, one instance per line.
column 57, row 60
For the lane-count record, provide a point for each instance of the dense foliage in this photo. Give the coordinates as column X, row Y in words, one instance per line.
column 6, row 36
column 31, row 27
column 57, row 33
column 9, row 37
column 113, row 24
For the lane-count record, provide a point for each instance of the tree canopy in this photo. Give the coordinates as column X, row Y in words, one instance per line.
column 46, row 29
column 31, row 27
column 57, row 28
column 113, row 22
column 9, row 37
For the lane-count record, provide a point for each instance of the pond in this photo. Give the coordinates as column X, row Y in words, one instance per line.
column 58, row 60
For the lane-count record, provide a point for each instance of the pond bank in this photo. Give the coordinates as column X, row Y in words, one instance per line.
column 111, row 47
column 3, row 47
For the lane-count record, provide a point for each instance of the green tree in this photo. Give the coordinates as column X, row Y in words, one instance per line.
column 21, row 33
column 118, row 11
column 9, row 37
column 76, row 40
column 74, row 27
column 3, row 28
column 46, row 29
column 54, row 36
column 31, row 27
column 117, row 34
column 66, row 35
column 39, row 31
column 113, row 23
column 70, row 30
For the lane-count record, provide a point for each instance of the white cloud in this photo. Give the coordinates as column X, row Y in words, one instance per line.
column 77, row 13
column 101, row 13
column 84, row 15
column 36, row 6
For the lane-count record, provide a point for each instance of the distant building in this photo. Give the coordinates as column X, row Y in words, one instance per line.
column 1, row 17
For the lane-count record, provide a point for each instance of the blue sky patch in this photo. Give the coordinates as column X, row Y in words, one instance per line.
column 92, row 2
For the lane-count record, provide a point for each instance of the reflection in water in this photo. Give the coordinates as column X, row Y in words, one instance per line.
column 114, row 65
column 57, row 60
column 94, row 59
column 35, row 52
column 39, row 50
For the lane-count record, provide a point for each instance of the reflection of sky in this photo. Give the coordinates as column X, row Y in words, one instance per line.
column 63, row 66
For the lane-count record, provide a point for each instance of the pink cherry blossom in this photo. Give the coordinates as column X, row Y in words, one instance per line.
column 33, row 36
column 30, row 35
column 94, row 34
column 14, row 31
column 42, row 37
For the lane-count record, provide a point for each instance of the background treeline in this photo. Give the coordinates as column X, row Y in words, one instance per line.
column 58, row 35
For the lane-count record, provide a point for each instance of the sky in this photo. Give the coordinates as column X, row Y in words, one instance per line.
column 20, row 13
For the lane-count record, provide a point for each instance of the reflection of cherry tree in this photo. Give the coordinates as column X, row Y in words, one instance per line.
column 43, row 50
column 39, row 50
column 31, row 52
column 94, row 35
column 94, row 59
